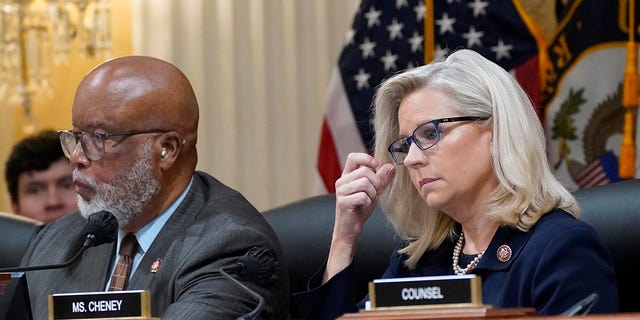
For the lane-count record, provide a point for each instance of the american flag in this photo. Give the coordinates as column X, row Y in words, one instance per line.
column 388, row 36
column 601, row 171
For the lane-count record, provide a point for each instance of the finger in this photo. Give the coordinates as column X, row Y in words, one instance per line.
column 362, row 184
column 376, row 181
column 385, row 175
column 356, row 160
column 353, row 202
column 356, row 174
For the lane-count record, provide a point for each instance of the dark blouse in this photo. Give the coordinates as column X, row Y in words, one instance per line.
column 557, row 263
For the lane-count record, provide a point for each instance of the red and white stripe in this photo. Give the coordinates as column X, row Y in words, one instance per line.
column 593, row 175
column 340, row 135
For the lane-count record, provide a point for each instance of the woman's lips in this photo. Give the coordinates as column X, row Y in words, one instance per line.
column 426, row 180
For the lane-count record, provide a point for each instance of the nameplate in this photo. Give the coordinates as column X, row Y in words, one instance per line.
column 135, row 304
column 443, row 291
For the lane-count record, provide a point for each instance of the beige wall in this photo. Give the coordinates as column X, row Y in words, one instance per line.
column 55, row 111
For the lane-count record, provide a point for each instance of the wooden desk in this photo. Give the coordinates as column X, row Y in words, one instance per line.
column 616, row 316
column 475, row 313
column 442, row 313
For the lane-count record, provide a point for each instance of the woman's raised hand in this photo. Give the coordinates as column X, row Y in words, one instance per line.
column 357, row 192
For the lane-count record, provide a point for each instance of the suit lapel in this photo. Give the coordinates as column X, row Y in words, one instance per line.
column 156, row 258
column 93, row 271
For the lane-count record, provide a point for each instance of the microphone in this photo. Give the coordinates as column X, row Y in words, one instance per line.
column 583, row 306
column 258, row 265
column 102, row 227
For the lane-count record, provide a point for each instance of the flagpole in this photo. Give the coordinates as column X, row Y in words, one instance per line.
column 630, row 102
column 429, row 32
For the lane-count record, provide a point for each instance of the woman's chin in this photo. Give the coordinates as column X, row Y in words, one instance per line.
column 433, row 201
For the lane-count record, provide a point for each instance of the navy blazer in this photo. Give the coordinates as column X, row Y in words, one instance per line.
column 557, row 263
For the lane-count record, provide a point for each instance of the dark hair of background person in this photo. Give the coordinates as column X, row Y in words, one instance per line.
column 34, row 153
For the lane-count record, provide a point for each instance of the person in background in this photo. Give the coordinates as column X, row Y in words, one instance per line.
column 38, row 177
column 133, row 149
column 461, row 172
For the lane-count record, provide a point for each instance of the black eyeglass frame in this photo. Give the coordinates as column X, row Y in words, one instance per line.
column 100, row 138
column 436, row 123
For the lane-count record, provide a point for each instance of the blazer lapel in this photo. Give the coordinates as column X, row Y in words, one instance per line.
column 155, row 260
column 93, row 270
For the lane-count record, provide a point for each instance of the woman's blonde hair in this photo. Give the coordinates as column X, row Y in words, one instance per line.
column 477, row 87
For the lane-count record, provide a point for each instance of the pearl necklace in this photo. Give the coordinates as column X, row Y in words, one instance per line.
column 456, row 256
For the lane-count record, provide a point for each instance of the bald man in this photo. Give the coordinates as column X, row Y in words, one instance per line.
column 133, row 148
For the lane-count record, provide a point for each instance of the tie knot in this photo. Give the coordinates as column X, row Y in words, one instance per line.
column 129, row 245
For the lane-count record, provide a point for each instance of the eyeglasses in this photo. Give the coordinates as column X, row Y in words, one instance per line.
column 93, row 143
column 424, row 136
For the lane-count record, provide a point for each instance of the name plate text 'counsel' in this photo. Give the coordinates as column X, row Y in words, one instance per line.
column 443, row 291
column 89, row 305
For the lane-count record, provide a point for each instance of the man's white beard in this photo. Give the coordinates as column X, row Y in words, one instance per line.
column 128, row 192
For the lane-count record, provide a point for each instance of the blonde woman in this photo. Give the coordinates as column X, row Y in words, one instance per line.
column 461, row 172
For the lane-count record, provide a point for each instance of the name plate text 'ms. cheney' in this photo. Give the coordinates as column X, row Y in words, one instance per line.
column 88, row 305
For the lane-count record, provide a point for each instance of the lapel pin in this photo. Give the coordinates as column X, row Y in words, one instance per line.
column 504, row 253
column 155, row 265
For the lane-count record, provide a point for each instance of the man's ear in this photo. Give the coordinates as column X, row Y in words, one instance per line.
column 170, row 146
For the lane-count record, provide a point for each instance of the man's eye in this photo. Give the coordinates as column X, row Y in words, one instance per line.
column 98, row 136
column 34, row 189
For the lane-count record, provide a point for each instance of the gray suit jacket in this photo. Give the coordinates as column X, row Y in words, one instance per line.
column 211, row 229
